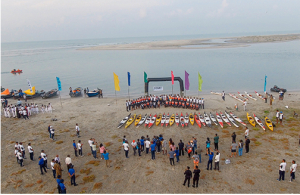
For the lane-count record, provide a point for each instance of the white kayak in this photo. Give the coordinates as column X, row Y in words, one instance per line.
column 219, row 119
column 259, row 95
column 207, row 120
column 142, row 121
column 163, row 120
column 235, row 97
column 243, row 96
column 212, row 117
column 186, row 119
column 216, row 93
column 167, row 120
column 225, row 119
column 250, row 96
column 124, row 120
column 147, row 120
column 258, row 121
column 231, row 119
column 202, row 120
column 238, row 119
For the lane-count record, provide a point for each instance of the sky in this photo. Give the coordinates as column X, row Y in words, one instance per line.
column 38, row 20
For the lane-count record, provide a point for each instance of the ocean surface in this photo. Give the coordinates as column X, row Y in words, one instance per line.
column 231, row 69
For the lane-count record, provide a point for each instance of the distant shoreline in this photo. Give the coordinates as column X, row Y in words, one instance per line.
column 207, row 43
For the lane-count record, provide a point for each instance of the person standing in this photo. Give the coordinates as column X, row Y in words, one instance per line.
column 245, row 105
column 233, row 137
column 281, row 117
column 52, row 167
column 102, row 149
column 153, row 147
column 195, row 145
column 188, row 174
column 75, row 148
column 147, row 144
column 79, row 145
column 25, row 115
column 241, row 146
column 282, row 170
column 42, row 165
column 91, row 143
column 293, row 170
column 72, row 175
column 277, row 116
column 177, row 154
column 52, row 133
column 246, row 132
column 68, row 161
column 94, row 150
column 77, row 130
column 271, row 100
column 247, row 144
column 22, row 150
column 20, row 157
column 62, row 186
column 142, row 144
column 138, row 146
column 57, row 159
column 49, row 127
column 106, row 158
column 164, row 146
column 207, row 146
column 181, row 148
column 196, row 177
column 233, row 149
column 223, row 95
column 58, row 182
column 196, row 159
column 217, row 160
column 216, row 142
column 171, row 155
column 133, row 144
column 16, row 154
column 57, row 169
column 44, row 156
column 211, row 155
column 126, row 148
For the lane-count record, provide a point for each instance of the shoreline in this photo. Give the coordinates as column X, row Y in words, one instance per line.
column 231, row 42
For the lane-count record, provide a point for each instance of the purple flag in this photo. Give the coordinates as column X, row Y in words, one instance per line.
column 186, row 80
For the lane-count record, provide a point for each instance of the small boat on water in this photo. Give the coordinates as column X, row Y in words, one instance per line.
column 50, row 93
column 14, row 71
column 76, row 92
column 277, row 89
column 93, row 93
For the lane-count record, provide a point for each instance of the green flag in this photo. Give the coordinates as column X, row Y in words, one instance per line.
column 145, row 77
column 200, row 81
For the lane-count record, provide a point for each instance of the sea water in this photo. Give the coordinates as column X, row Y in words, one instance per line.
column 229, row 69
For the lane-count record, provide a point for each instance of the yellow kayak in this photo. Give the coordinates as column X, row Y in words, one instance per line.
column 137, row 120
column 130, row 121
column 158, row 119
column 269, row 123
column 172, row 119
column 251, row 120
column 192, row 119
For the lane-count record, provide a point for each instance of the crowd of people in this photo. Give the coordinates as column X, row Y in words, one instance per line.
column 153, row 101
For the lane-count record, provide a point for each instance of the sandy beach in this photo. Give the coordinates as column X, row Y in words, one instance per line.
column 255, row 172
column 199, row 43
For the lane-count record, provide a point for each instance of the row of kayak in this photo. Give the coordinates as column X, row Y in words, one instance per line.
column 242, row 97
column 257, row 120
column 165, row 120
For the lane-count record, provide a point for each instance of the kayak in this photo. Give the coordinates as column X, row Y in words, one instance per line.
column 186, row 119
column 251, row 120
column 219, row 119
column 243, row 96
column 260, row 96
column 142, row 121
column 147, row 120
column 216, row 93
column 163, row 120
column 259, row 122
column 124, row 120
column 238, row 119
column 235, row 97
column 207, row 120
column 173, row 119
column 152, row 121
column 269, row 123
column 192, row 119
column 225, row 119
column 137, row 120
column 16, row 71
column 197, row 120
column 214, row 120
column 130, row 120
column 167, row 120
column 201, row 118
column 250, row 96
column 158, row 119
column 182, row 120
column 231, row 119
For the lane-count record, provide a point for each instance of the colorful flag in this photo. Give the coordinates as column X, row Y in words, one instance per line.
column 172, row 76
column 29, row 84
column 187, row 83
column 265, row 84
column 58, row 83
column 200, row 82
column 128, row 74
column 145, row 77
column 116, row 79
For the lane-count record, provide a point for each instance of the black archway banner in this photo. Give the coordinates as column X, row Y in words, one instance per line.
column 164, row 79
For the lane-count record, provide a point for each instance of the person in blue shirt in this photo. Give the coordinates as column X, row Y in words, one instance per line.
column 152, row 146
column 142, row 143
column 58, row 182
column 62, row 186
column 75, row 147
column 211, row 155
column 177, row 154
column 41, row 163
column 207, row 146
column 72, row 175
column 106, row 158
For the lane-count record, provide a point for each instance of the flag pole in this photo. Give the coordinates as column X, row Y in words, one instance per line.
column 128, row 93
column 116, row 97
column 172, row 89
column 60, row 100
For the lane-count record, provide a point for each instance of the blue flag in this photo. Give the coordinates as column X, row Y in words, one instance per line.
column 265, row 83
column 128, row 73
column 58, row 83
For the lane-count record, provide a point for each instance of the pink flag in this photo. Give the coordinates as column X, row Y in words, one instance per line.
column 172, row 75
column 187, row 82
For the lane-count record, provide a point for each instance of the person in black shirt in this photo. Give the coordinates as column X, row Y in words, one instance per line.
column 196, row 176
column 181, row 148
column 188, row 175
column 233, row 137
column 247, row 144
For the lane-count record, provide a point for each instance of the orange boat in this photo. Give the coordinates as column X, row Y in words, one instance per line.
column 16, row 71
